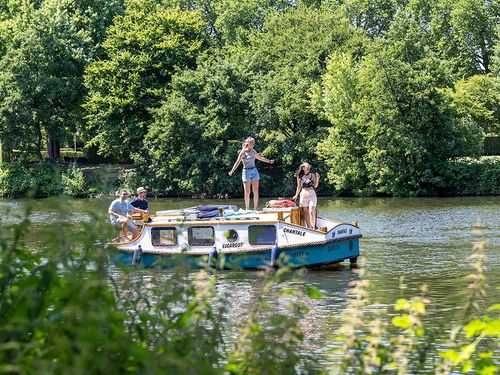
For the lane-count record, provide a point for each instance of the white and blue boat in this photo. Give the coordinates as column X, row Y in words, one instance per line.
column 225, row 237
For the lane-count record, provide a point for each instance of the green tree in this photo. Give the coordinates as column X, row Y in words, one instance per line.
column 496, row 56
column 261, row 89
column 344, row 148
column 374, row 16
column 464, row 33
column 288, row 58
column 230, row 21
column 236, row 18
column 188, row 143
column 143, row 48
column 41, row 71
column 478, row 98
column 393, row 129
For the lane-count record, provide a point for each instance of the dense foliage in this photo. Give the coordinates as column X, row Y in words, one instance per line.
column 401, row 128
column 64, row 310
column 462, row 176
column 466, row 176
column 46, row 46
column 378, row 95
column 143, row 48
column 42, row 180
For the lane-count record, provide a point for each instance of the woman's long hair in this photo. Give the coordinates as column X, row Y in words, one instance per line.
column 300, row 172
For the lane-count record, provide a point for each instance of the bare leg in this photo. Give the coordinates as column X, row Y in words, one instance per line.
column 135, row 232
column 255, row 188
column 124, row 232
column 246, row 187
column 312, row 210
column 307, row 216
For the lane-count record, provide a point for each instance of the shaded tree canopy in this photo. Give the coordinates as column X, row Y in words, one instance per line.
column 143, row 48
column 378, row 95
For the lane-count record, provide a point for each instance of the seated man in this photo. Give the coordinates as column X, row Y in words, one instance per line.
column 119, row 214
column 140, row 201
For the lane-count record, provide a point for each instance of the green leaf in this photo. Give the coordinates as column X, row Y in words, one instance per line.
column 485, row 355
column 492, row 328
column 402, row 304
column 420, row 332
column 418, row 306
column 313, row 292
column 451, row 355
column 466, row 367
column 494, row 307
column 474, row 327
column 402, row 321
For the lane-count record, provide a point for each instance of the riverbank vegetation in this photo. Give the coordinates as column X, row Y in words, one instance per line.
column 461, row 176
column 65, row 310
column 380, row 97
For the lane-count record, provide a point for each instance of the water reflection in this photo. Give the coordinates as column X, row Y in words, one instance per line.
column 237, row 292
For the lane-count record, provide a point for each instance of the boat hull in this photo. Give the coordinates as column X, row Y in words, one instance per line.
column 298, row 256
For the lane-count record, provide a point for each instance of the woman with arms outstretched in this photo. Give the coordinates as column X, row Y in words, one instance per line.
column 250, row 174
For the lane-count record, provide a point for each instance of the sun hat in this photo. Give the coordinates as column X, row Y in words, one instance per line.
column 141, row 189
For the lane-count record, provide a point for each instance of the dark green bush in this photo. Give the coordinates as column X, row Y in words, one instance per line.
column 15, row 180
column 46, row 179
column 39, row 180
column 56, row 315
column 466, row 176
column 73, row 182
column 50, row 178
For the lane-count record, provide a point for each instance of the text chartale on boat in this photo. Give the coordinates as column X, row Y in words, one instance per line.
column 223, row 236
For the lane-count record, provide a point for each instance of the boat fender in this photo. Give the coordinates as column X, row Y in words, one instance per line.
column 213, row 256
column 136, row 258
column 275, row 254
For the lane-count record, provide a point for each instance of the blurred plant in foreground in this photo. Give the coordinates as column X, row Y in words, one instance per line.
column 374, row 343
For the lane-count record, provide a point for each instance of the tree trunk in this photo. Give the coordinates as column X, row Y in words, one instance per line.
column 39, row 144
column 53, row 148
column 485, row 58
column 5, row 153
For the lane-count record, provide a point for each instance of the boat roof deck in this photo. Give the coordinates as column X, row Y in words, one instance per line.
column 268, row 215
column 232, row 217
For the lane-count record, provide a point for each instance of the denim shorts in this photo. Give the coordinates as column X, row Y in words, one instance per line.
column 250, row 174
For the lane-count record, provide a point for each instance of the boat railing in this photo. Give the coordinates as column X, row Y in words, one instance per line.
column 226, row 218
column 182, row 211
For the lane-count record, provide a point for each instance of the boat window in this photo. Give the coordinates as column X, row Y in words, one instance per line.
column 201, row 236
column 261, row 234
column 164, row 236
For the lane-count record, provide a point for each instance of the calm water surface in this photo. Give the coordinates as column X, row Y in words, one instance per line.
column 414, row 241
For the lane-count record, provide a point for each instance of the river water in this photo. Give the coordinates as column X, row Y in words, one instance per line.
column 410, row 241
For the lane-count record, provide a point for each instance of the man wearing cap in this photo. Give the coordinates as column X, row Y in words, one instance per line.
column 140, row 201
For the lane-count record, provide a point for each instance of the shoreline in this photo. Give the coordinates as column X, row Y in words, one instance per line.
column 461, row 177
